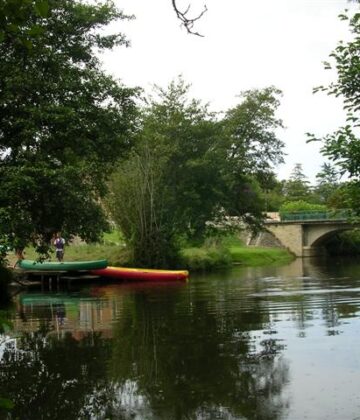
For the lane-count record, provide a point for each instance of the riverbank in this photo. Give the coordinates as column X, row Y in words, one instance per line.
column 256, row 256
column 233, row 252
column 205, row 258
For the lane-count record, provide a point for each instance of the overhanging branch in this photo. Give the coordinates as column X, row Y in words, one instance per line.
column 186, row 21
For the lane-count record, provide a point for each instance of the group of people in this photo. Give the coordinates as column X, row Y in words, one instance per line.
column 59, row 243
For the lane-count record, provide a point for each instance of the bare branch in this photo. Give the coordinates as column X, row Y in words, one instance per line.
column 186, row 21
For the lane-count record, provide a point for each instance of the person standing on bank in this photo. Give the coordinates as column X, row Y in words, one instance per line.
column 19, row 253
column 59, row 247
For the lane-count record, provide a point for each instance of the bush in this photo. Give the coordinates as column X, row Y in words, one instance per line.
column 300, row 205
column 206, row 258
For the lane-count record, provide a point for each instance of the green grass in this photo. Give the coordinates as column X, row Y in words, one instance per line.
column 213, row 255
column 205, row 258
column 232, row 240
column 114, row 254
column 231, row 251
column 114, row 237
column 254, row 256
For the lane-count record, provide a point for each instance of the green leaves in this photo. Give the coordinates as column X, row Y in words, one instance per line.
column 42, row 8
column 6, row 404
column 250, row 131
column 187, row 167
column 342, row 147
column 18, row 21
column 63, row 121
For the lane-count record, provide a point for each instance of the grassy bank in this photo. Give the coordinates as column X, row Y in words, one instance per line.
column 254, row 256
column 232, row 251
column 206, row 258
column 115, row 254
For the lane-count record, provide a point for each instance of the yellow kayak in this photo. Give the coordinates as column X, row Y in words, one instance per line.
column 141, row 273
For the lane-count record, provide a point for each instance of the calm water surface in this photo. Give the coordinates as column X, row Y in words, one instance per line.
column 269, row 343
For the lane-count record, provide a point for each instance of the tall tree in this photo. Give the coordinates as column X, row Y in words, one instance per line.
column 328, row 182
column 188, row 167
column 64, row 122
column 297, row 187
column 272, row 192
column 251, row 148
column 169, row 185
column 250, row 132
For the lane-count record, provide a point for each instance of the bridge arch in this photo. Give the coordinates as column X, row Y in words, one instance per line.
column 321, row 240
column 306, row 239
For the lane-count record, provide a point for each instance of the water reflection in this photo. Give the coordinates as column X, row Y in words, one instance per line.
column 190, row 362
column 250, row 343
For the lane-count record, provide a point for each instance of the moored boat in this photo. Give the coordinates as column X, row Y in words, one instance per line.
column 141, row 273
column 62, row 266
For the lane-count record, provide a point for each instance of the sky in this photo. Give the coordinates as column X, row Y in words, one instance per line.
column 246, row 44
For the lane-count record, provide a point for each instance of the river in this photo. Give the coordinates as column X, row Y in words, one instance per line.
column 251, row 343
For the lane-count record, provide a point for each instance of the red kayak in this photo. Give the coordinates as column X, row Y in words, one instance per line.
column 141, row 273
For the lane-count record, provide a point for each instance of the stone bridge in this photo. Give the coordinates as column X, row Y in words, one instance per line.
column 305, row 238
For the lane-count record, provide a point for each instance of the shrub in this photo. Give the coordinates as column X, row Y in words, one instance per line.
column 300, row 205
column 206, row 258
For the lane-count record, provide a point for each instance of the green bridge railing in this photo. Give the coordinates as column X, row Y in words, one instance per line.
column 342, row 215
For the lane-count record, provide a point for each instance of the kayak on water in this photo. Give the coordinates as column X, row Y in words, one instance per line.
column 141, row 273
column 62, row 266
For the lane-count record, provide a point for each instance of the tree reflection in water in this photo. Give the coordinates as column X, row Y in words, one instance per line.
column 152, row 368
column 222, row 374
column 59, row 379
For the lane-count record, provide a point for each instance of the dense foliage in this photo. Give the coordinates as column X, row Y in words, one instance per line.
column 188, row 168
column 15, row 23
column 297, row 187
column 327, row 185
column 328, row 191
column 303, row 206
column 342, row 146
column 64, row 122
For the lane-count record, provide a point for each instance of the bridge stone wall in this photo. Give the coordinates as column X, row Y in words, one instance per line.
column 305, row 239
column 289, row 235
column 268, row 240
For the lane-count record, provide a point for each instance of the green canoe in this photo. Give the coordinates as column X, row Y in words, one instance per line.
column 64, row 266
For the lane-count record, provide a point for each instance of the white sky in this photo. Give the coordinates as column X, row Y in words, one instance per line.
column 247, row 44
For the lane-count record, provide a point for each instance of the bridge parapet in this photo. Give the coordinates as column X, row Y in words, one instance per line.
column 304, row 238
column 336, row 214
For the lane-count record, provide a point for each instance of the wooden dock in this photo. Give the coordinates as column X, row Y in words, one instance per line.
column 53, row 278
